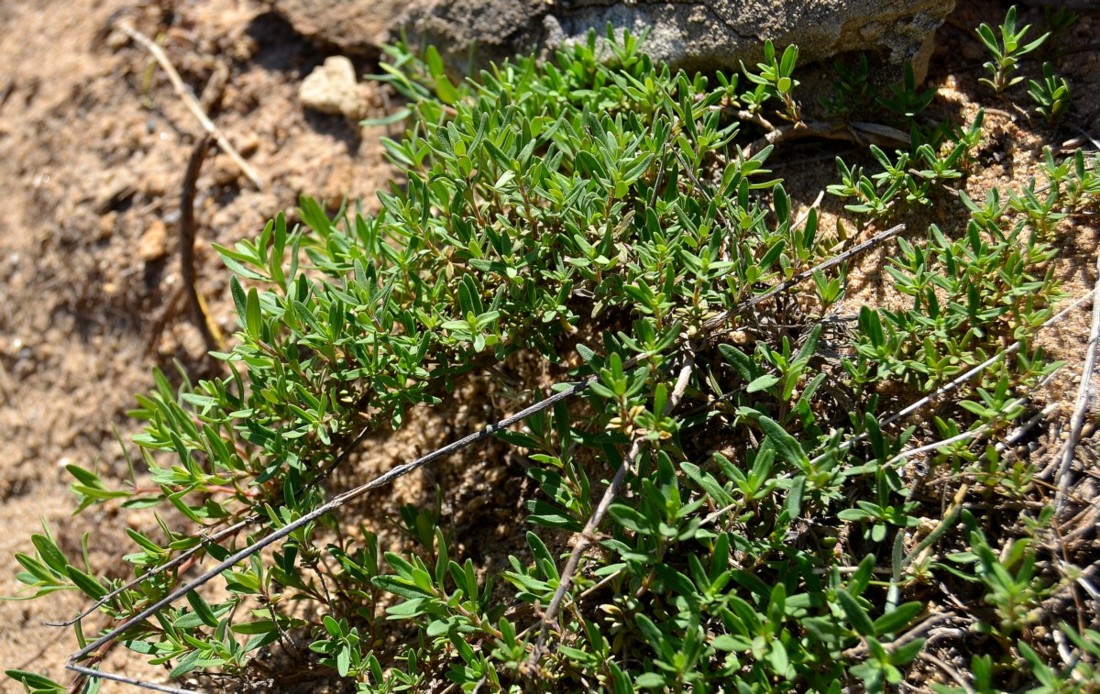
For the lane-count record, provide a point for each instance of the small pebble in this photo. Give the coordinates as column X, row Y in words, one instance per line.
column 153, row 243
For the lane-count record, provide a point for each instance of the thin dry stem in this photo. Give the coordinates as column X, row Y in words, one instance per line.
column 959, row 380
column 205, row 541
column 1077, row 422
column 858, row 133
column 209, row 329
column 589, row 533
column 860, row 651
column 114, row 677
column 190, row 101
column 878, row 238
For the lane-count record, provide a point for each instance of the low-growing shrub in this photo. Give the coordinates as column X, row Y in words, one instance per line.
column 741, row 432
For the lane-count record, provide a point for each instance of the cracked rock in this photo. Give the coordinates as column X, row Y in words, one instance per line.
column 694, row 35
column 352, row 27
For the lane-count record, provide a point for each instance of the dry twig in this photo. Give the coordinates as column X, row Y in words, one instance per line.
column 859, row 133
column 878, row 238
column 860, row 651
column 205, row 541
column 190, row 101
column 206, row 325
column 589, row 533
column 1077, row 422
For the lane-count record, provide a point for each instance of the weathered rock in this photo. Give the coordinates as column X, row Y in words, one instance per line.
column 353, row 27
column 707, row 34
column 332, row 88
column 694, row 35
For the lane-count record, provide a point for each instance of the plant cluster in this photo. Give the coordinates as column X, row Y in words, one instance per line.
column 770, row 532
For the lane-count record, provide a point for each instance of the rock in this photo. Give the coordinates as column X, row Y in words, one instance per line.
column 153, row 244
column 694, row 35
column 489, row 31
column 353, row 27
column 703, row 35
column 331, row 88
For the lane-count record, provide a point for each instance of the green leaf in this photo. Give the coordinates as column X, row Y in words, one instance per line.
column 50, row 553
column 650, row 631
column 762, row 383
column 343, row 661
column 253, row 322
column 397, row 586
column 87, row 584
column 740, row 361
column 36, row 683
column 894, row 622
column 630, row 518
column 906, row 652
column 649, row 680
column 856, row 614
column 778, row 658
column 398, row 116
column 202, row 609
column 794, row 497
column 785, row 445
column 263, row 626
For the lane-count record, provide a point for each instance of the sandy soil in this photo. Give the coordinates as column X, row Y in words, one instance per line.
column 93, row 145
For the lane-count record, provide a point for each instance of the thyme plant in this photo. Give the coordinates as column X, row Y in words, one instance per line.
column 597, row 215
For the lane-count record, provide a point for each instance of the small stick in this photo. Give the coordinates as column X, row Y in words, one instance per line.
column 204, row 541
column 589, row 532
column 206, row 325
column 859, row 133
column 190, row 101
column 786, row 284
column 948, row 522
column 950, row 671
column 6, row 90
column 5, row 384
column 806, row 213
column 1077, row 422
column 585, row 538
column 914, row 633
column 169, row 309
column 948, row 387
column 89, row 672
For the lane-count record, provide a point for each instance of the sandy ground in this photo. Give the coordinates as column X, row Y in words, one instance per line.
column 93, row 146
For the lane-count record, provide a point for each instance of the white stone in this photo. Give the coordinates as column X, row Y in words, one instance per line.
column 332, row 88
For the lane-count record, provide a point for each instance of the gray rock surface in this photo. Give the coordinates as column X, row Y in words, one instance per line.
column 352, row 27
column 705, row 34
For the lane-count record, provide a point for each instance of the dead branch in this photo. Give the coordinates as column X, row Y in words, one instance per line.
column 204, row 542
column 725, row 316
column 1077, row 422
column 210, row 332
column 863, row 134
column 589, row 533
